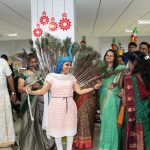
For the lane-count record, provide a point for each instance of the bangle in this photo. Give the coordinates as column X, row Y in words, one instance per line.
column 114, row 84
column 13, row 93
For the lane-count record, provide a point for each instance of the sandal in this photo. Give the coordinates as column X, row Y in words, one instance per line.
column 14, row 146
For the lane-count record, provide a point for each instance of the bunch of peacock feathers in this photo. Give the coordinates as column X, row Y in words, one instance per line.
column 24, row 55
column 87, row 65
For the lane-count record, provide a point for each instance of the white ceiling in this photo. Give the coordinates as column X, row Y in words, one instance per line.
column 100, row 18
column 111, row 17
column 15, row 17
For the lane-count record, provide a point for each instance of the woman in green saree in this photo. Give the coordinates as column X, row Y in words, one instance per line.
column 136, row 90
column 109, row 104
column 32, row 137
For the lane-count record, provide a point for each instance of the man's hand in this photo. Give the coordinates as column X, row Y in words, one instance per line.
column 13, row 97
column 12, row 88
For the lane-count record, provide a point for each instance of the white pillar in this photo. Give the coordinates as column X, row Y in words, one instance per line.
column 58, row 9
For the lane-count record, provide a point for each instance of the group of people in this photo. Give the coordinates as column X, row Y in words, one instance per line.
column 46, row 119
column 132, row 46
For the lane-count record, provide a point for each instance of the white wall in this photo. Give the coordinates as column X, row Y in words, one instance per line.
column 105, row 42
column 102, row 44
column 11, row 47
column 91, row 41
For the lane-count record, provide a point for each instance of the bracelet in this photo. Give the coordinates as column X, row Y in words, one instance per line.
column 114, row 84
column 94, row 88
column 13, row 93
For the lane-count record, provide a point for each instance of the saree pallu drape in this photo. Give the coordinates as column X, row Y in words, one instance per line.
column 87, row 105
column 32, row 136
column 136, row 126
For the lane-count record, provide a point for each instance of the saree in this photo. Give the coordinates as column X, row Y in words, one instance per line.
column 136, row 126
column 32, row 136
column 109, row 106
column 87, row 106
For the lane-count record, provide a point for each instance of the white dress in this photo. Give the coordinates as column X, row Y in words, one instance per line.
column 7, row 133
column 62, row 110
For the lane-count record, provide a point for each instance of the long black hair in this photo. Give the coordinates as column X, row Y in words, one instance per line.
column 115, row 63
column 142, row 66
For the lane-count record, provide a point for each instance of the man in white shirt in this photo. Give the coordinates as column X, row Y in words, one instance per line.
column 7, row 135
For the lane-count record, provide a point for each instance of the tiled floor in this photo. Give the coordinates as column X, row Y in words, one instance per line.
column 96, row 135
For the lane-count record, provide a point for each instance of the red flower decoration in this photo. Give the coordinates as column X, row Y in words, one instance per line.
column 65, row 24
column 52, row 25
column 44, row 18
column 37, row 31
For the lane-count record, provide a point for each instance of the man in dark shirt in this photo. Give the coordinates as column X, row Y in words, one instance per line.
column 131, row 48
column 144, row 47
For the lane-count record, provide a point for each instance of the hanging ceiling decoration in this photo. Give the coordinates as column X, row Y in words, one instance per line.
column 52, row 26
column 37, row 31
column 64, row 23
column 44, row 18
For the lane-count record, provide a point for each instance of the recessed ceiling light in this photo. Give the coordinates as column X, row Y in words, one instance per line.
column 128, row 30
column 12, row 34
column 143, row 21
